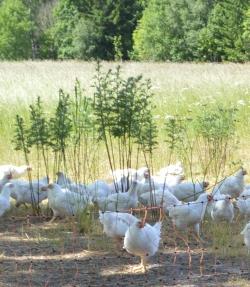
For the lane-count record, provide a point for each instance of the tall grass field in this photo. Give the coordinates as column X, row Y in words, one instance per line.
column 178, row 89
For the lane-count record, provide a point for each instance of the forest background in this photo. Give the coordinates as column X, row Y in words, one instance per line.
column 155, row 30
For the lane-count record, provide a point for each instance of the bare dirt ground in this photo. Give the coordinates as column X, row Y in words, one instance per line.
column 34, row 252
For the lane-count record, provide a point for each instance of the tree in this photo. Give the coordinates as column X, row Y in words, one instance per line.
column 106, row 28
column 66, row 17
column 15, row 30
column 222, row 38
column 169, row 29
column 42, row 36
column 246, row 33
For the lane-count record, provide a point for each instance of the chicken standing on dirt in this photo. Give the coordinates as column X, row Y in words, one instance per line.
column 243, row 203
column 190, row 214
column 223, row 209
column 234, row 184
column 115, row 224
column 23, row 193
column 120, row 201
column 143, row 240
column 64, row 202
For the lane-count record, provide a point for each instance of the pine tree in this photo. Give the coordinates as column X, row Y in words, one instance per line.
column 66, row 17
column 222, row 38
column 106, row 28
column 246, row 33
column 15, row 30
column 169, row 29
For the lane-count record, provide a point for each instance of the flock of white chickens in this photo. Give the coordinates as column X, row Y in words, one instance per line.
column 186, row 203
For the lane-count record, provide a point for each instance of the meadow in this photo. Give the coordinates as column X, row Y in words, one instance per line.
column 178, row 89
column 201, row 112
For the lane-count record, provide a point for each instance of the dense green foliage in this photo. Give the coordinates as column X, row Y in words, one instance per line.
column 15, row 30
column 175, row 30
column 192, row 30
column 106, row 27
column 169, row 30
column 66, row 18
column 222, row 37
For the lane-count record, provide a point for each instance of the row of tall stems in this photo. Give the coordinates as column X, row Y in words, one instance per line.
column 120, row 116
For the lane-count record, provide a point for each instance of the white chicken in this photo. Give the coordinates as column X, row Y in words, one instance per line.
column 168, row 180
column 23, row 193
column 143, row 240
column 174, row 169
column 124, row 178
column 98, row 188
column 158, row 197
column 5, row 198
column 77, row 187
column 246, row 233
column 234, row 184
column 82, row 190
column 190, row 214
column 115, row 224
column 120, row 201
column 247, row 187
column 64, row 202
column 216, row 194
column 223, row 209
column 148, row 184
column 4, row 180
column 170, row 175
column 13, row 171
column 243, row 204
column 245, row 194
column 188, row 191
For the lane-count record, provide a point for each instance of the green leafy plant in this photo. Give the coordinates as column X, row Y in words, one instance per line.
column 215, row 128
column 39, row 135
column 123, row 110
column 61, row 126
column 83, row 135
column 174, row 133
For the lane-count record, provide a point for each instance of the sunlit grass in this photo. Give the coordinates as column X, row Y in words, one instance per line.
column 178, row 88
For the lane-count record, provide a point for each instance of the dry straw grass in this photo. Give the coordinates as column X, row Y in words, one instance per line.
column 27, row 80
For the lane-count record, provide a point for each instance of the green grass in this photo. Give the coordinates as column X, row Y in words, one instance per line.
column 184, row 89
column 178, row 89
